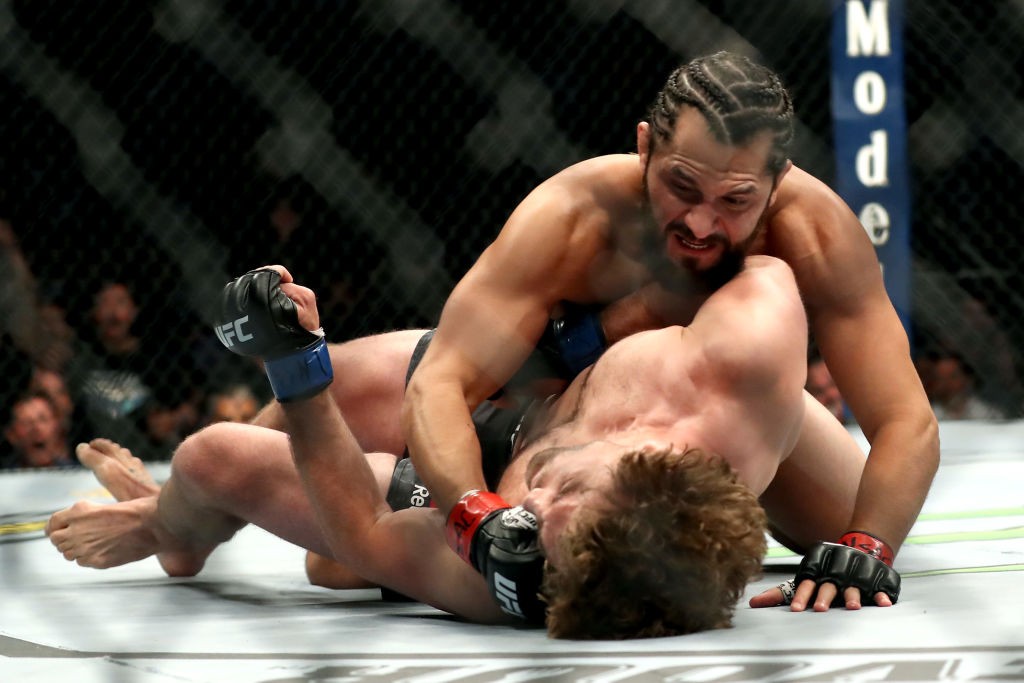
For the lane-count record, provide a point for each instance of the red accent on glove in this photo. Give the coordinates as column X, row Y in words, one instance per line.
column 865, row 542
column 465, row 518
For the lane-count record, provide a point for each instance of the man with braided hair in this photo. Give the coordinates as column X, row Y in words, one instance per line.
column 621, row 244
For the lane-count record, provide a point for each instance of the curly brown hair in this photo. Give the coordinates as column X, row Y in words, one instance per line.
column 670, row 554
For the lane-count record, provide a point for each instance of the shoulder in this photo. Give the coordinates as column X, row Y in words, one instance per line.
column 807, row 213
column 563, row 227
column 603, row 186
column 813, row 229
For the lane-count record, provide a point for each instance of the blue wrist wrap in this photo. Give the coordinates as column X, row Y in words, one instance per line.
column 580, row 339
column 301, row 374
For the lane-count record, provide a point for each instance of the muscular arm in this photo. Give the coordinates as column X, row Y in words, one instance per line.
column 404, row 550
column 489, row 326
column 869, row 356
column 867, row 351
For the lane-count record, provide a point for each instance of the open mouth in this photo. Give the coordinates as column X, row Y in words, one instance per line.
column 688, row 243
column 694, row 245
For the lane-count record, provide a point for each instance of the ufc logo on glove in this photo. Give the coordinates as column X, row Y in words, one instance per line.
column 233, row 330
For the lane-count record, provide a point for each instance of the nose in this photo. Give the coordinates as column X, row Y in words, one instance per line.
column 537, row 501
column 700, row 219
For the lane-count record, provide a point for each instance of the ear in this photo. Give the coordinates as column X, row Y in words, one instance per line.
column 643, row 141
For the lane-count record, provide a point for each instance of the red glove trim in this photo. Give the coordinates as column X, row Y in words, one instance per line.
column 865, row 542
column 466, row 516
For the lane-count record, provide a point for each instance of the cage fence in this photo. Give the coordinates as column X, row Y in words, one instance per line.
column 375, row 147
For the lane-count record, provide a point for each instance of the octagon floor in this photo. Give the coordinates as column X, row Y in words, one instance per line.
column 250, row 616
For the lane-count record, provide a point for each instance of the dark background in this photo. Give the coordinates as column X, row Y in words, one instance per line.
column 151, row 142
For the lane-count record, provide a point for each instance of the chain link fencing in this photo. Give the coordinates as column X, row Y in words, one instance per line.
column 375, row 147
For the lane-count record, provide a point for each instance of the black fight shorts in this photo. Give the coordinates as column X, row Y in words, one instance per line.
column 496, row 428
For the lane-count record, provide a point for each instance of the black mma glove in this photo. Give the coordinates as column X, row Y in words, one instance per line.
column 500, row 542
column 574, row 341
column 858, row 560
column 259, row 320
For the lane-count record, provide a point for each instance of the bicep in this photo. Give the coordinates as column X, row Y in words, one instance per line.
column 487, row 329
column 852, row 318
column 868, row 354
column 497, row 313
column 860, row 335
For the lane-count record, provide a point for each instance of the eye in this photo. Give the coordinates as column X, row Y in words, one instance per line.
column 735, row 202
column 568, row 486
column 688, row 194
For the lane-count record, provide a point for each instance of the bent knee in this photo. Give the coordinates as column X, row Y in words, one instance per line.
column 208, row 460
column 325, row 572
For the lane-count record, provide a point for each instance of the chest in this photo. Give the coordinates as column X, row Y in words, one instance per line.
column 651, row 392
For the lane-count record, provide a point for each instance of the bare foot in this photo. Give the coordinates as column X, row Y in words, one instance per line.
column 109, row 535
column 117, row 469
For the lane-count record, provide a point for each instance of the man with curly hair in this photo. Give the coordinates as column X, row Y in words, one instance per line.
column 643, row 476
column 671, row 555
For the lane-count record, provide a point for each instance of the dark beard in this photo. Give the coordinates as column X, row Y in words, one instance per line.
column 686, row 277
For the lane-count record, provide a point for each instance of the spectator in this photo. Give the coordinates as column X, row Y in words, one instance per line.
column 236, row 403
column 113, row 384
column 135, row 390
column 36, row 328
column 166, row 424
column 34, row 436
column 951, row 386
column 55, row 341
column 55, row 387
column 823, row 388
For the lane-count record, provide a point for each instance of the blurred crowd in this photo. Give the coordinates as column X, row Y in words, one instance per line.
column 948, row 379
column 111, row 369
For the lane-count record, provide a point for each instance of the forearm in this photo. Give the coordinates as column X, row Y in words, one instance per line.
column 354, row 516
column 443, row 444
column 649, row 308
column 902, row 462
column 336, row 477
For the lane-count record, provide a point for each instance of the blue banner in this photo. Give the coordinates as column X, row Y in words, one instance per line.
column 870, row 132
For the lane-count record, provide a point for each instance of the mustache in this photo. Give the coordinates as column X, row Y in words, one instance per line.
column 688, row 235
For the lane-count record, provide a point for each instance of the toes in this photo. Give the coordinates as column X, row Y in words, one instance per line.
column 117, row 452
column 56, row 522
column 89, row 455
column 106, row 446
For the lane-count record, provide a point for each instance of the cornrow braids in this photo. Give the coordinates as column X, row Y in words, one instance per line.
column 738, row 98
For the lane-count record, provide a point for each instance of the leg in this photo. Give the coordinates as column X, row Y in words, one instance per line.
column 369, row 385
column 222, row 477
column 325, row 572
column 201, row 506
column 117, row 470
column 813, row 493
